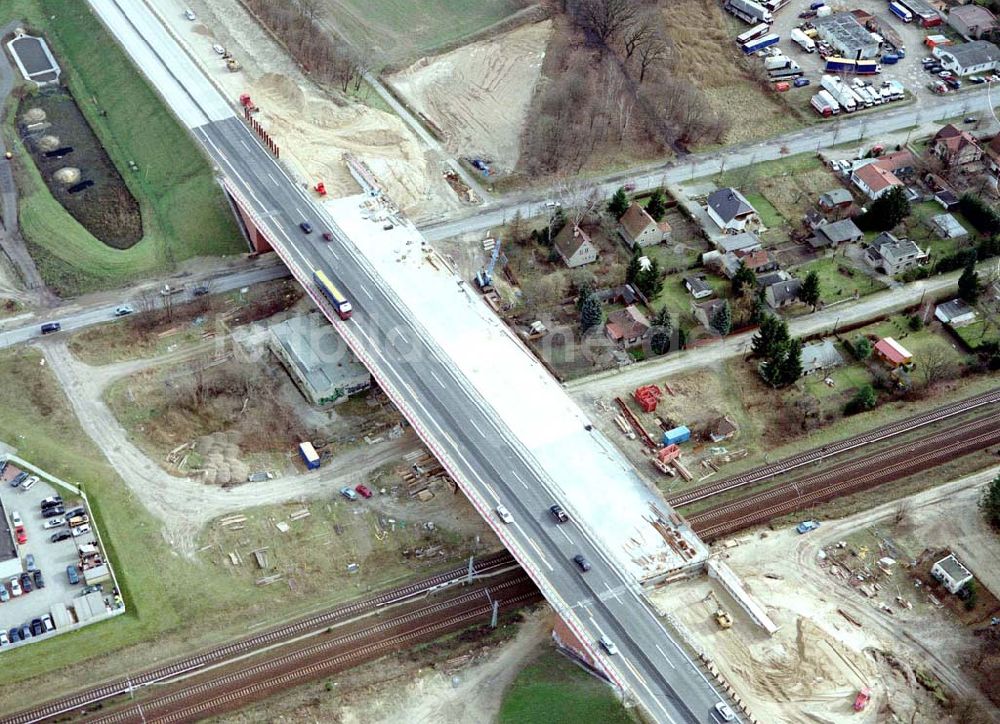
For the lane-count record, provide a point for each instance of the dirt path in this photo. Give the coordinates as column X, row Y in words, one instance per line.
column 10, row 238
column 184, row 505
column 470, row 695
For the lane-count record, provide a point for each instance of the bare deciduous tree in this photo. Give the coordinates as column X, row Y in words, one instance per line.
column 934, row 365
column 652, row 50
column 605, row 19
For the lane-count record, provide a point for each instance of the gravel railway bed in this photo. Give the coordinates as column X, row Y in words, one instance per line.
column 850, row 477
column 488, row 564
column 765, row 472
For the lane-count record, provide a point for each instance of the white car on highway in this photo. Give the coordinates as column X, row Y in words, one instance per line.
column 504, row 514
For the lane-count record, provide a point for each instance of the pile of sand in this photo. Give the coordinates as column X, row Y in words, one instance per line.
column 34, row 115
column 68, row 175
column 479, row 94
column 48, row 143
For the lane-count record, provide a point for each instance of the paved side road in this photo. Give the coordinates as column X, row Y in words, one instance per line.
column 870, row 307
column 184, row 505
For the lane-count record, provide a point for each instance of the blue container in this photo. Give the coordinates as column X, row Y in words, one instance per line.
column 890, row 59
column 676, row 435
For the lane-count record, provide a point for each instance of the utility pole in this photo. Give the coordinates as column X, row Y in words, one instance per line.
column 469, row 580
column 496, row 611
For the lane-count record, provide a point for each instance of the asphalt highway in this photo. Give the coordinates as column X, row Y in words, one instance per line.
column 492, row 466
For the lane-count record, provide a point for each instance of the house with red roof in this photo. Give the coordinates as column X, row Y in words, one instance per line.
column 874, row 180
column 627, row 327
column 955, row 146
column 892, row 353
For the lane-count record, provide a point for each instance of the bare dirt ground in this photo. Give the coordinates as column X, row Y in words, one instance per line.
column 479, row 94
column 466, row 688
column 313, row 128
column 812, row 668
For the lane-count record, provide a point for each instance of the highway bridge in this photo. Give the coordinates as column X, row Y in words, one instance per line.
column 500, row 424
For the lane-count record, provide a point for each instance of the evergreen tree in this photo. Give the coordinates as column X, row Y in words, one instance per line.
column 591, row 313
column 809, row 293
column 886, row 212
column 633, row 269
column 657, row 205
column 650, row 281
column 663, row 329
column 772, row 333
column 990, row 502
column 744, row 281
column 619, row 204
column 969, row 286
column 862, row 348
column 663, row 319
column 586, row 290
column 864, row 399
column 722, row 320
column 790, row 362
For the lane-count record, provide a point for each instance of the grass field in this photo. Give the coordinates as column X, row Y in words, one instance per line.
column 184, row 212
column 838, row 279
column 401, row 29
column 554, row 690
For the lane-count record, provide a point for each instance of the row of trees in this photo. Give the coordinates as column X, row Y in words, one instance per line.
column 781, row 355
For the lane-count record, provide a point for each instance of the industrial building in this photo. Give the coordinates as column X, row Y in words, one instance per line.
column 972, row 21
column 979, row 56
column 322, row 367
column 952, row 574
column 847, row 36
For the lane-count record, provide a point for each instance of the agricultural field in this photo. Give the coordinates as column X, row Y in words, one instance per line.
column 183, row 210
column 399, row 30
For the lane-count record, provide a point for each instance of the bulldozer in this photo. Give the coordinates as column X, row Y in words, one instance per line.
column 723, row 618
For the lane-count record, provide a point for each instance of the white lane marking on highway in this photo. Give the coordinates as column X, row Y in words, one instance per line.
column 335, row 254
column 273, row 179
column 245, row 145
column 519, row 479
column 299, row 212
column 399, row 332
column 533, row 545
column 477, row 428
column 635, row 672
column 565, row 534
column 492, row 491
column 665, row 656
column 369, row 295
column 613, row 592
column 438, row 379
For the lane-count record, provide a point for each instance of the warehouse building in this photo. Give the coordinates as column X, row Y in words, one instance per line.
column 972, row 21
column 320, row 364
column 847, row 36
column 979, row 56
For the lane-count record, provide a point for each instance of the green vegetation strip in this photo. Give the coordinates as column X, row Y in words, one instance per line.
column 184, row 211
column 554, row 690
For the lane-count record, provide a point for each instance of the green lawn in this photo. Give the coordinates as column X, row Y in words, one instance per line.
column 677, row 298
column 839, row 279
column 980, row 332
column 768, row 214
column 399, row 30
column 183, row 209
column 845, row 379
column 554, row 690
column 918, row 229
column 917, row 343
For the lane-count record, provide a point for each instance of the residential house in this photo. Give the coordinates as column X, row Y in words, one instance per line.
column 705, row 312
column 947, row 198
column 698, row 287
column 844, row 231
column 836, row 199
column 893, row 256
column 955, row 146
column 638, row 228
column 992, row 152
column 955, row 313
column 766, row 280
column 627, row 327
column 947, row 226
column 972, row 21
column 575, row 247
column 873, row 180
column 952, row 574
column 747, row 241
column 758, row 261
column 902, row 163
column 783, row 293
column 731, row 212
column 819, row 356
column 624, row 294
column 892, row 353
column 813, row 218
column 979, row 56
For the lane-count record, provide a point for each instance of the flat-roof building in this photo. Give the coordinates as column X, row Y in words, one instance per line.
column 847, row 36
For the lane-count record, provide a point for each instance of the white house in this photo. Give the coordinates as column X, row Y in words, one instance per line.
column 873, row 180
column 575, row 247
column 955, row 313
column 731, row 212
column 638, row 228
column 979, row 56
column 951, row 573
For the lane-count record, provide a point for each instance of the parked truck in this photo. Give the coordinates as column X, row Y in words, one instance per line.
column 309, row 455
column 901, row 12
column 824, row 104
column 840, row 92
column 847, row 65
column 760, row 43
column 788, row 71
column 748, row 11
column 803, row 41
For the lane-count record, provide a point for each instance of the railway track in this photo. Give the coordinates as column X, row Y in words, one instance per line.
column 488, row 564
column 851, row 477
column 765, row 472
column 234, row 688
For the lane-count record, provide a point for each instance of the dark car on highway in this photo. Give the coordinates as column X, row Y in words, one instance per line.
column 50, row 327
column 306, row 227
column 558, row 513
column 582, row 563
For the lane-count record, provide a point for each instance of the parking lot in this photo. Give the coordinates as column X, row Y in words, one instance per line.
column 907, row 71
column 29, row 556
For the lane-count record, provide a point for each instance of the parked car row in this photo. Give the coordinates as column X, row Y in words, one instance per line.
column 352, row 493
column 37, row 627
